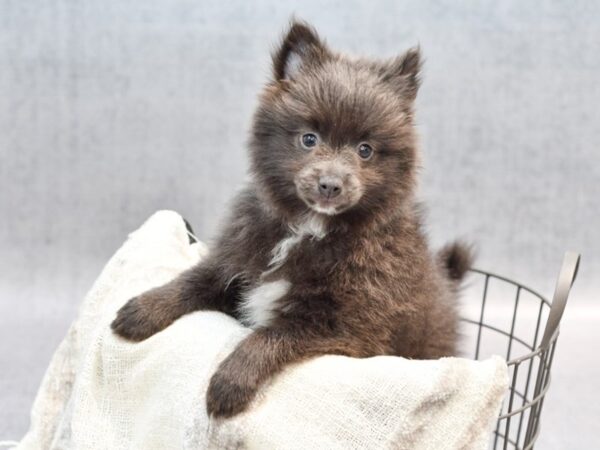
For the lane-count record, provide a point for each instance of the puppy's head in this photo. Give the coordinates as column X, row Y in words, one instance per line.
column 334, row 135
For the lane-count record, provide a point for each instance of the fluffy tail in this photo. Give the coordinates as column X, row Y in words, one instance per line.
column 456, row 259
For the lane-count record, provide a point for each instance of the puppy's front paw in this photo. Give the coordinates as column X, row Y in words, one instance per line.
column 135, row 319
column 228, row 394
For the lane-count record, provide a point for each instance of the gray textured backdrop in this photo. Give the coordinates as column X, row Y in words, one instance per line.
column 110, row 110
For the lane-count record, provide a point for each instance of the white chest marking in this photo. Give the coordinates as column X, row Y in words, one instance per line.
column 258, row 308
column 259, row 304
column 313, row 226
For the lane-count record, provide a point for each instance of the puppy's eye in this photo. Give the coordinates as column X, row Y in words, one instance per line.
column 309, row 140
column 365, row 151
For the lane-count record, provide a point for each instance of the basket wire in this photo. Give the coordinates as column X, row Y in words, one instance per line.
column 518, row 424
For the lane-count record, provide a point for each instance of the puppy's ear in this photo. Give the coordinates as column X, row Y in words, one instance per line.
column 404, row 72
column 300, row 47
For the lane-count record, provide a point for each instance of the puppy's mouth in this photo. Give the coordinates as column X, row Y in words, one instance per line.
column 328, row 207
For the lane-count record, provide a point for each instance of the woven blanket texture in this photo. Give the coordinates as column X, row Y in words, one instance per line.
column 101, row 392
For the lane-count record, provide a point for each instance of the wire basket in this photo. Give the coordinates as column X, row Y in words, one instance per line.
column 502, row 317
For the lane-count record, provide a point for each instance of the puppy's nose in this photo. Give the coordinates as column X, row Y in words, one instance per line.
column 330, row 187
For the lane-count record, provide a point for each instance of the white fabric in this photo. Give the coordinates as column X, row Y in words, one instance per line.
column 101, row 392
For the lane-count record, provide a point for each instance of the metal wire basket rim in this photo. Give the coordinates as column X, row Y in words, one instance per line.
column 529, row 403
column 514, row 283
column 498, row 330
column 566, row 278
column 542, row 350
column 534, row 352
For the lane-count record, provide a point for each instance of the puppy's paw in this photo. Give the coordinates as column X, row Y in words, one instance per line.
column 228, row 394
column 135, row 320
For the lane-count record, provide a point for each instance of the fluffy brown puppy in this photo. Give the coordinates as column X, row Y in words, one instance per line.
column 324, row 251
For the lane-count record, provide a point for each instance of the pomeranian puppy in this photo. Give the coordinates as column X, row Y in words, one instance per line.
column 324, row 251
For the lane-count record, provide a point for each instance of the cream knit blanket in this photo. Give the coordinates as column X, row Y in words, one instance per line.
column 101, row 392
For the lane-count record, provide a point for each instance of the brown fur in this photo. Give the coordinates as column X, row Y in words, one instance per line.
column 368, row 285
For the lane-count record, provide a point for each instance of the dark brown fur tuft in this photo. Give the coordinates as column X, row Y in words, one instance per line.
column 456, row 258
column 302, row 42
column 405, row 70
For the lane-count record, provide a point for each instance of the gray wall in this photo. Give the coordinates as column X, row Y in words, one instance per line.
column 110, row 110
